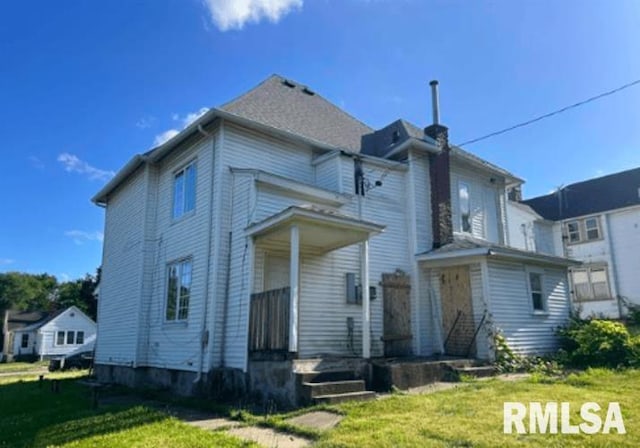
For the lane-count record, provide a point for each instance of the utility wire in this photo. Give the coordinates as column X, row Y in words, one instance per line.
column 550, row 114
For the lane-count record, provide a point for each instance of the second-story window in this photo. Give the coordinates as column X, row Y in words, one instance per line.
column 465, row 207
column 582, row 230
column 184, row 190
column 592, row 230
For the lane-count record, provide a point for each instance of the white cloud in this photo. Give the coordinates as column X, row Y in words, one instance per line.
column 80, row 236
column 73, row 164
column 184, row 120
column 6, row 261
column 165, row 137
column 190, row 117
column 234, row 14
column 145, row 122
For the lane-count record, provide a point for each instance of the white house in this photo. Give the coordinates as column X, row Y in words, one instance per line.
column 597, row 221
column 56, row 335
column 235, row 252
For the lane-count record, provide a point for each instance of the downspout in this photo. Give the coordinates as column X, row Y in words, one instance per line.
column 204, row 336
column 614, row 272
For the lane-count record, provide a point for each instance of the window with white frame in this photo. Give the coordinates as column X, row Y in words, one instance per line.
column 71, row 337
column 60, row 338
column 582, row 230
column 80, row 337
column 184, row 190
column 178, row 290
column 590, row 283
column 465, row 207
column 537, row 291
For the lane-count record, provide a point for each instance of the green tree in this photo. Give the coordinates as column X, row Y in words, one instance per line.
column 79, row 293
column 27, row 292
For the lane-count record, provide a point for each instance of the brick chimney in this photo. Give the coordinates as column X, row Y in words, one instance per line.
column 440, row 175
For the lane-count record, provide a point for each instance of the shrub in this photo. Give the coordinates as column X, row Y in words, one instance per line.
column 599, row 343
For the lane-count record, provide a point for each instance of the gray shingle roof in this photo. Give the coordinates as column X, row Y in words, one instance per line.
column 292, row 107
column 610, row 192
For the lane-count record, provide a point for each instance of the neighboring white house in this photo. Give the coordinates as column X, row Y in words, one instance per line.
column 236, row 251
column 597, row 221
column 56, row 335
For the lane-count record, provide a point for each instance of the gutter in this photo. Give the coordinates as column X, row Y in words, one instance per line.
column 100, row 198
column 412, row 142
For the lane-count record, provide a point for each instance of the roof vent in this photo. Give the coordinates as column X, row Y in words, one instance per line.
column 308, row 91
column 288, row 83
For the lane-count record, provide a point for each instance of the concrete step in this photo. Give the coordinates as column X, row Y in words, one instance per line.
column 333, row 387
column 476, row 371
column 339, row 398
column 326, row 376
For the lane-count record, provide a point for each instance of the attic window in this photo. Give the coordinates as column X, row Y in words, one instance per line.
column 288, row 83
column 308, row 91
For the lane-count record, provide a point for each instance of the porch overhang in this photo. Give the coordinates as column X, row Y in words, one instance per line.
column 320, row 230
column 440, row 256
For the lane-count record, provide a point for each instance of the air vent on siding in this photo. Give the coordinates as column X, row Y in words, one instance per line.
column 288, row 83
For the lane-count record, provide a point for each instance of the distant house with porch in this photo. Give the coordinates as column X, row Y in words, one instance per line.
column 277, row 238
column 42, row 335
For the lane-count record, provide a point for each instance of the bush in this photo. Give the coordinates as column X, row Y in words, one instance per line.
column 599, row 343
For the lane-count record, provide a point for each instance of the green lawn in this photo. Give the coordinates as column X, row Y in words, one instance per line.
column 469, row 416
column 472, row 416
column 10, row 367
column 33, row 416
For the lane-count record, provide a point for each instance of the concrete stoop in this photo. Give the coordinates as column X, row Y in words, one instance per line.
column 330, row 387
column 405, row 374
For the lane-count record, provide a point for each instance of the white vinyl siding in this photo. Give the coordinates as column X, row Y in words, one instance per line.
column 511, row 307
column 485, row 206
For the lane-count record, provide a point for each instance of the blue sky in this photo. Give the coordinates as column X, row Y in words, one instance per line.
column 85, row 85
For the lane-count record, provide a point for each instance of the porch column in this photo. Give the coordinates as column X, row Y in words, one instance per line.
column 294, row 271
column 366, row 311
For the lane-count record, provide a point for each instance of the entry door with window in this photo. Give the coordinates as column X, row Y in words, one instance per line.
column 457, row 311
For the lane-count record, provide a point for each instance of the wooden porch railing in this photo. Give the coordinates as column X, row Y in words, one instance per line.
column 269, row 321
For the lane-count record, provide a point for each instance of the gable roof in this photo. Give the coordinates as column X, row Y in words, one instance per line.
column 289, row 106
column 290, row 110
column 21, row 319
column 611, row 192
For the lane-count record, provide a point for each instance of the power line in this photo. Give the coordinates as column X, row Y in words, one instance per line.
column 550, row 114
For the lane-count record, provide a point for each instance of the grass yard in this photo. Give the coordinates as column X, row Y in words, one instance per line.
column 468, row 416
column 472, row 416
column 32, row 416
column 11, row 367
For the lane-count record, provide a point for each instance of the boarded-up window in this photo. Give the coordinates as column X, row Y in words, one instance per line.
column 591, row 283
